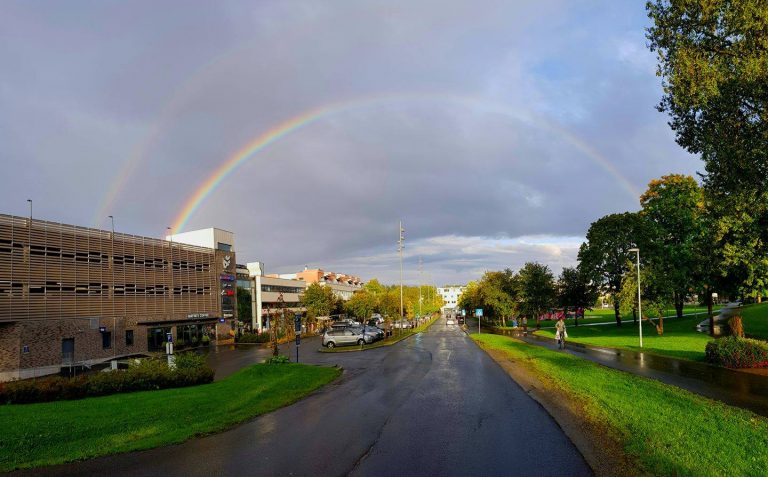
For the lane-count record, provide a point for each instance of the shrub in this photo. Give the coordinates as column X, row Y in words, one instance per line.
column 206, row 340
column 279, row 359
column 735, row 352
column 143, row 375
column 254, row 337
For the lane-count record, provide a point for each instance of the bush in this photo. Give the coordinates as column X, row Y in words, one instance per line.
column 279, row 359
column 144, row 375
column 206, row 340
column 254, row 337
column 735, row 352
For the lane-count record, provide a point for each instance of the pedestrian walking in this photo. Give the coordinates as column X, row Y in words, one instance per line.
column 560, row 333
column 525, row 326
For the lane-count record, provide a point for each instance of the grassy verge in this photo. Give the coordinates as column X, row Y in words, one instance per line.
column 755, row 319
column 57, row 432
column 606, row 315
column 680, row 339
column 395, row 338
column 667, row 430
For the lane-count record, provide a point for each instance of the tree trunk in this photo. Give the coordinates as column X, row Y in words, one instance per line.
column 679, row 298
column 576, row 316
column 710, row 315
column 616, row 311
column 634, row 315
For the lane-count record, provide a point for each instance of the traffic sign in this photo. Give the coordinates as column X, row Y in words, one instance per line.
column 479, row 312
column 297, row 323
column 298, row 340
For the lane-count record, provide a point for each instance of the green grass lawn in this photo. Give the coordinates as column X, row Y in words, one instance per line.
column 680, row 339
column 667, row 430
column 56, row 432
column 605, row 315
column 755, row 319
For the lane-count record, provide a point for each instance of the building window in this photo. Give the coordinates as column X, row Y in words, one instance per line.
column 106, row 339
column 128, row 337
column 225, row 247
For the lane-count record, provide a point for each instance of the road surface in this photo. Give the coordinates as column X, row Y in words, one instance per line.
column 434, row 404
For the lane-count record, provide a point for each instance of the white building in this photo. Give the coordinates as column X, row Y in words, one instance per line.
column 266, row 292
column 450, row 295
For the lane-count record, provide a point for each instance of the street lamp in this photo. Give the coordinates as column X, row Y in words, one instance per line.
column 639, row 300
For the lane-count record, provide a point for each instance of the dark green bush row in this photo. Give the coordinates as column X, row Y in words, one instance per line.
column 148, row 374
column 735, row 352
column 254, row 338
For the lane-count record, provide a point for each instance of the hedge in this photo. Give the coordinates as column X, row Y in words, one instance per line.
column 735, row 352
column 254, row 337
column 145, row 375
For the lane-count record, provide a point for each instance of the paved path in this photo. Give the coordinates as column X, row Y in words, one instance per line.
column 434, row 404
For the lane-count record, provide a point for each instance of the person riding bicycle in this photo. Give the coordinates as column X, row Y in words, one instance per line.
column 560, row 333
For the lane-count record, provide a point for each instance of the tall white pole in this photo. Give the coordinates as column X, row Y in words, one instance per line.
column 400, row 249
column 420, row 287
column 114, row 314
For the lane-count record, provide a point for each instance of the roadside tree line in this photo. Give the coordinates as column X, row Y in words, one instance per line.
column 529, row 292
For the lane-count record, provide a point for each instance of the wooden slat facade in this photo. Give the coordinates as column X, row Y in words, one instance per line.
column 58, row 271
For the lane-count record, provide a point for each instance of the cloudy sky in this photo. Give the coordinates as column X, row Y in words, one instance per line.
column 497, row 131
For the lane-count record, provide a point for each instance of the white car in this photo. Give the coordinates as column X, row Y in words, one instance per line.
column 450, row 322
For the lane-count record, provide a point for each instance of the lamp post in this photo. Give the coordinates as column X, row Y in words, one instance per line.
column 639, row 299
column 114, row 313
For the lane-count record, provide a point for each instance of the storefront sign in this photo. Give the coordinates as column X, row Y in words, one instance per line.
column 198, row 315
column 227, row 277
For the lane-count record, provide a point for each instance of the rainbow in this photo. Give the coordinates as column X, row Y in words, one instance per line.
column 306, row 118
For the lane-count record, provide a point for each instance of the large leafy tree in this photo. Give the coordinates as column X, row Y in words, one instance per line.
column 536, row 290
column 498, row 291
column 361, row 305
column 575, row 289
column 713, row 58
column 673, row 208
column 604, row 255
column 318, row 300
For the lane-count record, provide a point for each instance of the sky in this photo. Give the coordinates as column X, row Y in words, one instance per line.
column 496, row 131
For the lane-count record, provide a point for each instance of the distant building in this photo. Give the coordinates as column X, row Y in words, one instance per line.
column 343, row 285
column 450, row 295
column 77, row 296
column 270, row 294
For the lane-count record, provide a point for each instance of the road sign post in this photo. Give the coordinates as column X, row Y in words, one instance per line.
column 297, row 328
column 479, row 315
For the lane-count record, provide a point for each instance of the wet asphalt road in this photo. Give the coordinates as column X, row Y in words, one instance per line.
column 434, row 404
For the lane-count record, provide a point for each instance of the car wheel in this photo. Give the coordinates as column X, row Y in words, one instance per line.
column 330, row 344
column 361, row 342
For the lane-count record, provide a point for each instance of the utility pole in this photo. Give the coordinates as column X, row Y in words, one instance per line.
column 420, row 280
column 400, row 251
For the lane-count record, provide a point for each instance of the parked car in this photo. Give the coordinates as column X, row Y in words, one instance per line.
column 450, row 322
column 377, row 332
column 403, row 324
column 346, row 336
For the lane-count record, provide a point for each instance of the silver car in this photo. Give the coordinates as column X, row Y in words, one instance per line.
column 346, row 336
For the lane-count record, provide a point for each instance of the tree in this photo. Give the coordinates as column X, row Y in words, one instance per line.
column 318, row 300
column 654, row 291
column 575, row 289
column 536, row 290
column 713, row 58
column 604, row 255
column 673, row 209
column 498, row 291
column 244, row 313
column 361, row 305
